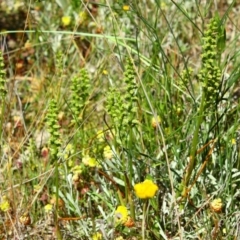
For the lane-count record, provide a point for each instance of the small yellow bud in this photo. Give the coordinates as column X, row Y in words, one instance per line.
column 48, row 208
column 216, row 205
column 97, row 236
column 107, row 152
column 82, row 17
column 155, row 121
column 66, row 20
column 126, row 7
column 119, row 238
column 233, row 141
column 89, row 161
column 5, row 205
column 179, row 111
column 75, row 178
column 105, row 72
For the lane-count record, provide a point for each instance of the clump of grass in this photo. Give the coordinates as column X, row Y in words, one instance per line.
column 121, row 143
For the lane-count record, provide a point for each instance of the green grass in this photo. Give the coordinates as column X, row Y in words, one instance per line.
column 133, row 102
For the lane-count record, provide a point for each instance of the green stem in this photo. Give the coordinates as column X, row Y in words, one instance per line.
column 132, row 207
column 58, row 233
column 193, row 150
column 130, row 176
column 144, row 218
column 2, row 118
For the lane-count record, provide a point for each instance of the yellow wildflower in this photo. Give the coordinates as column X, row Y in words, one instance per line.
column 5, row 205
column 68, row 151
column 126, row 7
column 163, row 6
column 75, row 178
column 216, row 205
column 82, row 17
column 66, row 20
column 146, row 189
column 179, row 111
column 119, row 238
column 48, row 208
column 37, row 188
column 107, row 152
column 100, row 136
column 97, row 236
column 121, row 214
column 105, row 72
column 155, row 121
column 69, row 148
column 233, row 140
column 89, row 161
column 77, row 169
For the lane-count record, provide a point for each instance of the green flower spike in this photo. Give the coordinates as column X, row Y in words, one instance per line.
column 80, row 88
column 3, row 90
column 210, row 74
column 53, row 128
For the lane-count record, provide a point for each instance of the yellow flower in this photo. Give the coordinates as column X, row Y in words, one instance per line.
column 119, row 238
column 68, row 151
column 48, row 208
column 5, row 205
column 146, row 189
column 69, row 148
column 163, row 6
column 77, row 169
column 97, row 236
column 82, row 17
column 66, row 20
column 89, row 161
column 121, row 214
column 216, row 205
column 105, row 72
column 92, row 162
column 37, row 188
column 107, row 152
column 126, row 7
column 100, row 136
column 155, row 121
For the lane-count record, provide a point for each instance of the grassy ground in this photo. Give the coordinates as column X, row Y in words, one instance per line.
column 119, row 120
